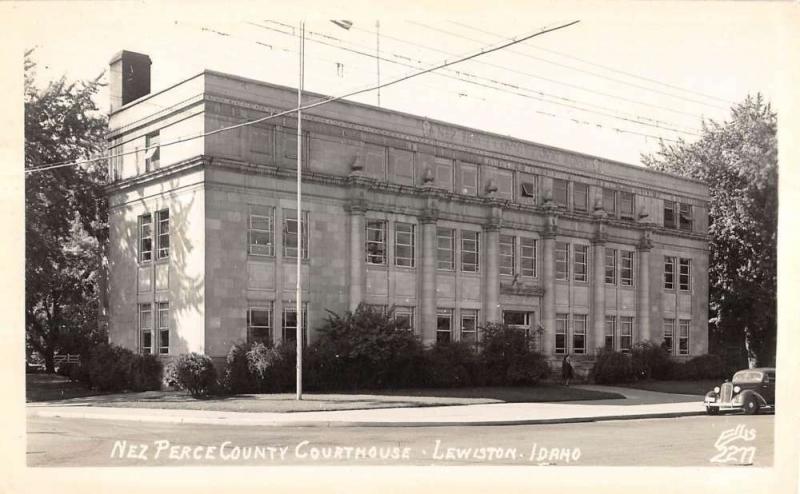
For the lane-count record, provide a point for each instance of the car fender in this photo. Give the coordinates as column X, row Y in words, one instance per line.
column 761, row 401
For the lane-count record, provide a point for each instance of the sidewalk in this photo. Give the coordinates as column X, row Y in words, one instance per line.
column 638, row 404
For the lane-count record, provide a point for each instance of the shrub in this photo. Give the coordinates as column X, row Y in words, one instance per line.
column 505, row 351
column 527, row 369
column 612, row 367
column 195, row 373
column 449, row 365
column 651, row 361
column 109, row 367
column 145, row 373
column 273, row 369
column 237, row 378
column 708, row 366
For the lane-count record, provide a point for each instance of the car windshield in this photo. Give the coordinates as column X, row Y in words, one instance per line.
column 747, row 377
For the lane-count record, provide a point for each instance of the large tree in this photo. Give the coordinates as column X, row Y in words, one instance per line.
column 738, row 159
column 65, row 214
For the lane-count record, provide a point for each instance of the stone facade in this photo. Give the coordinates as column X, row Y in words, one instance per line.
column 440, row 221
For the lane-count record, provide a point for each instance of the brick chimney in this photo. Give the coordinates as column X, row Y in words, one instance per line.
column 129, row 78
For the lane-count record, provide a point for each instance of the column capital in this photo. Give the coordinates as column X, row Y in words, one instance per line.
column 356, row 206
column 429, row 216
column 551, row 222
column 646, row 241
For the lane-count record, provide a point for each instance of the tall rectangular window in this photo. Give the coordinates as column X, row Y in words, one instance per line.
column 579, row 333
column 528, row 189
column 626, row 205
column 683, row 337
column 163, row 328
column 260, row 232
column 445, row 249
column 470, row 249
column 610, row 201
column 444, row 325
column 684, row 274
column 528, row 256
column 669, row 334
column 152, row 157
column 626, row 268
column 290, row 322
column 562, row 260
column 507, row 254
column 469, row 326
column 146, row 327
column 259, row 324
column 611, row 266
column 145, row 238
column 580, row 256
column 404, row 318
column 685, row 217
column 376, row 242
column 669, row 214
column 468, row 183
column 560, row 192
column 610, row 332
column 404, row 245
column 625, row 334
column 669, row 273
column 443, row 173
column 290, row 233
column 504, row 180
column 162, row 240
column 561, row 333
column 580, row 196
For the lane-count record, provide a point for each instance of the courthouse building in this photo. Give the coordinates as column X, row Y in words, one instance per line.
column 449, row 226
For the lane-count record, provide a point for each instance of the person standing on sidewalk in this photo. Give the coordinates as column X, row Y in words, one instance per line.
column 566, row 369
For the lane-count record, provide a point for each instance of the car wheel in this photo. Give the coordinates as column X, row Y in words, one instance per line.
column 751, row 405
column 712, row 410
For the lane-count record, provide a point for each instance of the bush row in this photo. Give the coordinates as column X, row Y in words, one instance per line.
column 113, row 368
column 648, row 360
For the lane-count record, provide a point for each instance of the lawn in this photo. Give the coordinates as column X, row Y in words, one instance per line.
column 46, row 389
column 680, row 387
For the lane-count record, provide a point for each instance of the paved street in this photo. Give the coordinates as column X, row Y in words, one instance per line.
column 684, row 441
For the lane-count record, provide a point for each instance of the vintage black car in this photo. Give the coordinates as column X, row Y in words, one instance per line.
column 750, row 390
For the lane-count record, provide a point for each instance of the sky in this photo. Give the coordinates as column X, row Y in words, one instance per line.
column 626, row 75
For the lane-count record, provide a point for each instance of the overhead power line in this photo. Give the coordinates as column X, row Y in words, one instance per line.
column 482, row 51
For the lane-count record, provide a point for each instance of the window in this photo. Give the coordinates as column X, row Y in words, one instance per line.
column 580, row 257
column 469, row 179
column 163, row 328
column 560, row 192
column 611, row 266
column 669, row 214
column 145, row 238
column 162, row 240
column 507, row 254
column 579, row 333
column 152, row 157
column 562, row 260
column 626, row 205
column 404, row 245
column 259, row 324
column 290, row 233
column 611, row 330
column 375, row 163
column 669, row 273
column 610, row 201
column 580, row 196
column 669, row 332
column 469, row 326
column 469, row 251
column 685, row 217
column 517, row 318
column 259, row 232
column 443, row 173
column 684, row 274
column 376, row 242
column 445, row 249
column 504, row 179
column 683, row 338
column 404, row 317
column 527, row 189
column 444, row 319
column 146, row 327
column 626, row 268
column 561, row 333
column 625, row 334
column 528, row 256
column 290, row 322
column 401, row 166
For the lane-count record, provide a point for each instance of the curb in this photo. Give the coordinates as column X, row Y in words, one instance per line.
column 255, row 421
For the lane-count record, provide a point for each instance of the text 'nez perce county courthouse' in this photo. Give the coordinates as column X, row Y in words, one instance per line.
column 451, row 226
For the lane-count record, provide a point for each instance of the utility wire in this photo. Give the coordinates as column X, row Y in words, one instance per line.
column 606, row 67
column 527, row 55
column 483, row 51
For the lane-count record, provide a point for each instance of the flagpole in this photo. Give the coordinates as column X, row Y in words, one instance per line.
column 299, row 308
